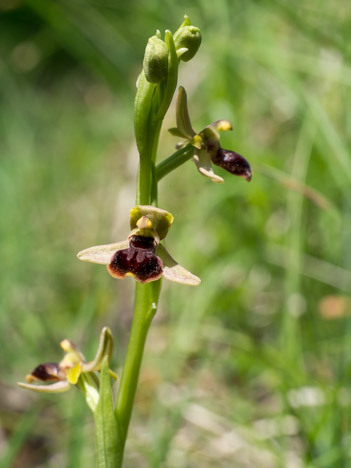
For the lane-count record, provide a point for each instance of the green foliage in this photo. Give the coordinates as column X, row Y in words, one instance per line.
column 253, row 367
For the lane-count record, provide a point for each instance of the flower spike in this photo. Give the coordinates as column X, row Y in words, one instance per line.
column 207, row 150
column 142, row 256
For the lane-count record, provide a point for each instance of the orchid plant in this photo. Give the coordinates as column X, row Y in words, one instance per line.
column 142, row 255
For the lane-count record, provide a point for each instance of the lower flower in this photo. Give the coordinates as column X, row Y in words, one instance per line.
column 57, row 377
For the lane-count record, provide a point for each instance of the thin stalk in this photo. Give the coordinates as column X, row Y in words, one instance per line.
column 145, row 306
column 175, row 160
column 146, row 295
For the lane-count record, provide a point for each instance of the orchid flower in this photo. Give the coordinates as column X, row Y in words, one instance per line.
column 59, row 377
column 207, row 150
column 142, row 256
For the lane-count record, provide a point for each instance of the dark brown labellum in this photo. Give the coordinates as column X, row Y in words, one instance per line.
column 47, row 371
column 141, row 263
column 233, row 163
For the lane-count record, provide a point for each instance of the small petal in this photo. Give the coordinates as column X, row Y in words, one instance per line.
column 203, row 164
column 57, row 387
column 176, row 132
column 220, row 126
column 101, row 254
column 73, row 373
column 72, row 357
column 233, row 163
column 175, row 272
column 197, row 141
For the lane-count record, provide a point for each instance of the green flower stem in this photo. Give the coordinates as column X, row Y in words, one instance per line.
column 145, row 306
column 151, row 104
column 175, row 160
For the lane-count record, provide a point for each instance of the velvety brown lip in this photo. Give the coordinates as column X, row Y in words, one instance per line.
column 47, row 371
column 143, row 264
column 233, row 162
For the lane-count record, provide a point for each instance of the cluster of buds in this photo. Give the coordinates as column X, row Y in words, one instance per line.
column 187, row 40
column 206, row 145
column 142, row 256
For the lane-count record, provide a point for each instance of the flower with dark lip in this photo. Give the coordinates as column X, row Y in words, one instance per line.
column 59, row 377
column 142, row 256
column 207, row 149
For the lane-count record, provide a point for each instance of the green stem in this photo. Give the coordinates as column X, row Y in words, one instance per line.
column 151, row 104
column 145, row 306
column 175, row 160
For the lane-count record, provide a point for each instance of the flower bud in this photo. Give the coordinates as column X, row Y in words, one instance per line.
column 156, row 60
column 187, row 37
column 233, row 163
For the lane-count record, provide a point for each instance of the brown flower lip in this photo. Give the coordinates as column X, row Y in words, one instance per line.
column 138, row 260
column 233, row 163
column 49, row 371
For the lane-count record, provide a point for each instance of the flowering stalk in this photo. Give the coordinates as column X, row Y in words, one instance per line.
column 142, row 255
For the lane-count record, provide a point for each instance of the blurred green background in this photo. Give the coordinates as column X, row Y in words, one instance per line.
column 252, row 368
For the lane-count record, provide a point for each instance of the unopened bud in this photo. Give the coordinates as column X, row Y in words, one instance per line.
column 187, row 37
column 156, row 60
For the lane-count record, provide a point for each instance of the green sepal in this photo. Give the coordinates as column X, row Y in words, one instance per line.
column 108, row 445
column 182, row 114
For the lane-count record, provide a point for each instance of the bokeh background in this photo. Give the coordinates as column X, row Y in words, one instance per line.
column 253, row 367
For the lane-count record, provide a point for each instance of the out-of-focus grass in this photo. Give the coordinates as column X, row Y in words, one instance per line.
column 253, row 367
